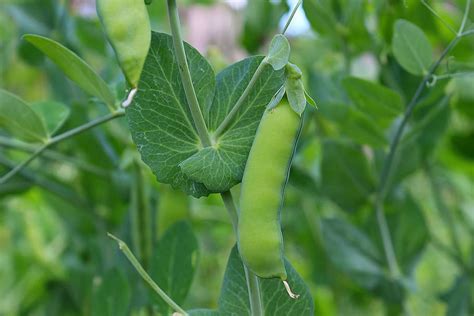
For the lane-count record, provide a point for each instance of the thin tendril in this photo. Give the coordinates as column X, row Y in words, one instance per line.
column 290, row 18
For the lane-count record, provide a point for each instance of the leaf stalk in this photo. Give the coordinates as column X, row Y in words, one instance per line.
column 60, row 138
column 124, row 248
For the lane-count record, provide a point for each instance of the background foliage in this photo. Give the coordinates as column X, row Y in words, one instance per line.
column 362, row 60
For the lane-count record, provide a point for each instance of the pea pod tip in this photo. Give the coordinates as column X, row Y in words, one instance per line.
column 289, row 291
column 129, row 98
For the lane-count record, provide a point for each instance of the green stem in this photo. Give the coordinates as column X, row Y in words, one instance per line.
column 144, row 217
column 464, row 18
column 241, row 101
column 46, row 184
column 467, row 33
column 290, row 18
column 186, row 74
column 124, row 248
column 53, row 155
column 253, row 283
column 388, row 162
column 59, row 138
column 231, row 209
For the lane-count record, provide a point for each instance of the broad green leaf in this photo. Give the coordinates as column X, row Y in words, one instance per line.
column 159, row 117
column 19, row 119
column 234, row 296
column 362, row 129
column 162, row 127
column 73, row 67
column 411, row 48
column 376, row 101
column 54, row 114
column 279, row 52
column 352, row 251
column 346, row 177
column 173, row 264
column 222, row 166
column 112, row 295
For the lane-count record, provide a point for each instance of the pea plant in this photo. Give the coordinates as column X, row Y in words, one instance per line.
column 345, row 169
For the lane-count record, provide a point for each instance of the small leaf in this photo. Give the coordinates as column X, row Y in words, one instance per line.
column 73, row 67
column 19, row 119
column 276, row 98
column 112, row 296
column 411, row 48
column 234, row 298
column 173, row 264
column 380, row 103
column 346, row 177
column 309, row 99
column 295, row 94
column 279, row 52
column 54, row 114
column 352, row 251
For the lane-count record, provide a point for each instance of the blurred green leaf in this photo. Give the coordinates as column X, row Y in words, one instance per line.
column 345, row 173
column 431, row 119
column 462, row 143
column 234, row 298
column 459, row 296
column 352, row 251
column 406, row 161
column 381, row 104
column 260, row 20
column 409, row 231
column 411, row 48
column 16, row 185
column 342, row 20
column 173, row 264
column 112, row 296
column 54, row 114
column 362, row 129
column 19, row 119
column 74, row 67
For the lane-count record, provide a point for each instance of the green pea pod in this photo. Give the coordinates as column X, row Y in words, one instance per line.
column 266, row 173
column 128, row 30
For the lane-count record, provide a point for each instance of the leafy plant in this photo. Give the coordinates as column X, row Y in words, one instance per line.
column 379, row 173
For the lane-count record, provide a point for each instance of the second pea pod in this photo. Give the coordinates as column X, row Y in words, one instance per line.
column 266, row 173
